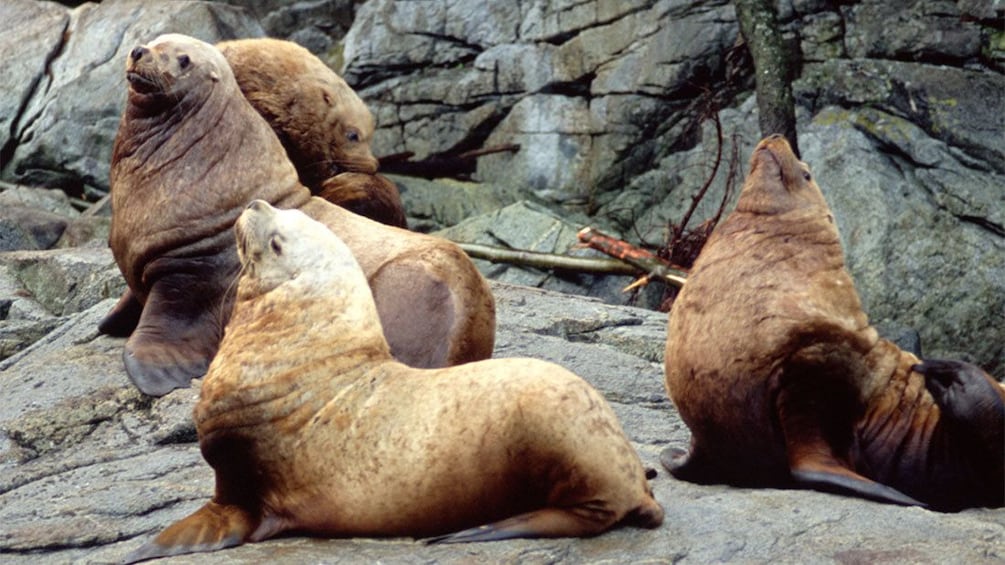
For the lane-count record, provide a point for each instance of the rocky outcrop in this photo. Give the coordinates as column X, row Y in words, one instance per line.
column 89, row 468
column 899, row 112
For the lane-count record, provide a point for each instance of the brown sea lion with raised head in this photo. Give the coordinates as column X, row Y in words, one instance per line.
column 190, row 153
column 322, row 432
column 776, row 371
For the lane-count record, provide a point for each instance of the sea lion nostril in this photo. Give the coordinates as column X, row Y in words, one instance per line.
column 137, row 53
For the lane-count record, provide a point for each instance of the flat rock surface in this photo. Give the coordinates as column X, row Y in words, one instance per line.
column 90, row 469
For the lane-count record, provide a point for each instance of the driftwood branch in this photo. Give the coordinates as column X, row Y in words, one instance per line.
column 651, row 265
column 547, row 260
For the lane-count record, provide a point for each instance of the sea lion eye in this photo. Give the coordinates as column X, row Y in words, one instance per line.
column 807, row 176
column 276, row 245
column 352, row 136
column 183, row 61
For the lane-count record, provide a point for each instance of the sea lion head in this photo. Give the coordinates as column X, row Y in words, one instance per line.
column 279, row 247
column 351, row 126
column 172, row 67
column 778, row 182
column 324, row 125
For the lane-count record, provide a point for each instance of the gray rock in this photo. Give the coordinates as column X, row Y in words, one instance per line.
column 29, row 228
column 318, row 25
column 918, row 30
column 963, row 108
column 925, row 251
column 50, row 200
column 64, row 131
column 30, row 36
column 89, row 469
column 576, row 85
column 65, row 281
column 433, row 205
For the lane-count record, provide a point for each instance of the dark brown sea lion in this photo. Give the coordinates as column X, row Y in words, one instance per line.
column 371, row 195
column 190, row 153
column 780, row 378
column 320, row 120
column 322, row 432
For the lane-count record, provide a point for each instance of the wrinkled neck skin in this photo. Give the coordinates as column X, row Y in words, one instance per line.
column 905, row 441
column 312, row 347
column 183, row 168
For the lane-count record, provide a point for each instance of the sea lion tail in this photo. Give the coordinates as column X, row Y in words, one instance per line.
column 212, row 527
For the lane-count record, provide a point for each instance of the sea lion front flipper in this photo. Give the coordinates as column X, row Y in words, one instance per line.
column 122, row 319
column 176, row 338
column 418, row 322
column 578, row 521
column 212, row 527
column 813, row 464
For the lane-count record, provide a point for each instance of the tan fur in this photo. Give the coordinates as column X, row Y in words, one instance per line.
column 321, row 121
column 190, row 154
column 335, row 438
column 775, row 368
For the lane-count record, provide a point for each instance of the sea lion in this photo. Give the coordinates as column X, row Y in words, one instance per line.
column 320, row 120
column 373, row 196
column 781, row 379
column 322, row 123
column 322, row 432
column 190, row 153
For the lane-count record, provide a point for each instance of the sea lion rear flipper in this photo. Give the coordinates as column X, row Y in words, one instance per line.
column 176, row 338
column 122, row 319
column 212, row 527
column 578, row 521
column 838, row 480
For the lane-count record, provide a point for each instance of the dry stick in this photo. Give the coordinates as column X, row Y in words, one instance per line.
column 645, row 261
column 547, row 260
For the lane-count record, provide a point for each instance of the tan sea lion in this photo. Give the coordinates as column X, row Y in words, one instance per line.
column 190, row 153
column 320, row 120
column 780, row 378
column 322, row 432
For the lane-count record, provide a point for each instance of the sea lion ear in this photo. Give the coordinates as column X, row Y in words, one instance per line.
column 214, row 76
column 327, row 97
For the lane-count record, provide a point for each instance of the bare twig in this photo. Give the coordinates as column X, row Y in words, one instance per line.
column 547, row 260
